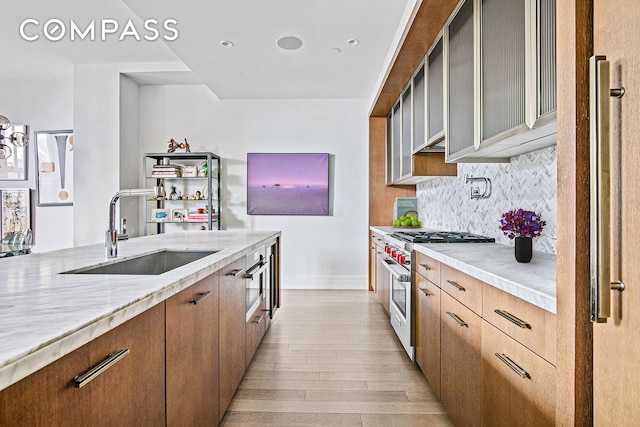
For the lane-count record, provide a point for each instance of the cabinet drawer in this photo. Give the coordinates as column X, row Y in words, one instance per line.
column 519, row 387
column 428, row 331
column 377, row 238
column 428, row 267
column 464, row 288
column 461, row 362
column 531, row 326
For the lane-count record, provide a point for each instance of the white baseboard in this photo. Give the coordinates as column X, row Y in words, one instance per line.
column 325, row 282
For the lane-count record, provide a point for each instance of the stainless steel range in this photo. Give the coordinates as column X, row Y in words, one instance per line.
column 398, row 261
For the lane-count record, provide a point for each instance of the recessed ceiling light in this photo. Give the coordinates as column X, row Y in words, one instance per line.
column 353, row 42
column 336, row 50
column 289, row 43
column 226, row 43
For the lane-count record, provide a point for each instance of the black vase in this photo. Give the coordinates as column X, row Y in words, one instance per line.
column 524, row 249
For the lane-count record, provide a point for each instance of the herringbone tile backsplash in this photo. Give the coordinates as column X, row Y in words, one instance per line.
column 528, row 182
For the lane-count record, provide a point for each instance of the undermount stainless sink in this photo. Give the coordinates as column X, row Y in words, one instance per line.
column 151, row 264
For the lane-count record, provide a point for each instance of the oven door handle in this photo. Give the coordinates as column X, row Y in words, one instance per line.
column 397, row 271
column 256, row 270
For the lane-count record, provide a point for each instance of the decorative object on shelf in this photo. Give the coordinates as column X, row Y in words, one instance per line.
column 15, row 212
column 13, row 158
column 522, row 226
column 189, row 171
column 54, row 163
column 288, row 183
column 204, row 169
column 174, row 194
column 174, row 145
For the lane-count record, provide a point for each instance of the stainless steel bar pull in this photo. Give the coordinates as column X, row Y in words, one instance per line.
column 600, row 191
column 513, row 365
column 83, row 379
column 200, row 297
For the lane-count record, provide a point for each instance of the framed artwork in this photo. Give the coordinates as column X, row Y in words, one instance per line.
column 13, row 160
column 179, row 215
column 54, row 165
column 288, row 184
column 15, row 210
column 160, row 215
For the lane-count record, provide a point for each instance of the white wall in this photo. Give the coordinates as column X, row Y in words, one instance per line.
column 96, row 116
column 43, row 105
column 129, row 154
column 97, row 146
column 317, row 251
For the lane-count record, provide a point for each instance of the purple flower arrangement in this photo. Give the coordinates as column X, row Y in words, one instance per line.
column 521, row 223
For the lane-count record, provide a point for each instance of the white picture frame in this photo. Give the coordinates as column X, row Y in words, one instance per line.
column 179, row 215
column 160, row 215
column 54, row 167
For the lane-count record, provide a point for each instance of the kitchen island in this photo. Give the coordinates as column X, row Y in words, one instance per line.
column 46, row 315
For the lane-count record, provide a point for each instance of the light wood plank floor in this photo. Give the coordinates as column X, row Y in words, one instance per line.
column 332, row 358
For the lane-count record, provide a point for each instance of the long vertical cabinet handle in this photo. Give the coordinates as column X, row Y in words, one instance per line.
column 600, row 182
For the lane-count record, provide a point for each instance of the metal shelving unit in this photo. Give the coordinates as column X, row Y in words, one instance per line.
column 210, row 191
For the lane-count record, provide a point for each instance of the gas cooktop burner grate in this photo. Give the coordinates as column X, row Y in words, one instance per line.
column 441, row 237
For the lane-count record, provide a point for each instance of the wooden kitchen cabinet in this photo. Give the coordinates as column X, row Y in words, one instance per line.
column 428, row 331
column 408, row 121
column 376, row 244
column 461, row 286
column 531, row 326
column 461, row 362
column 255, row 329
column 383, row 280
column 519, row 387
column 192, row 355
column 232, row 330
column 130, row 392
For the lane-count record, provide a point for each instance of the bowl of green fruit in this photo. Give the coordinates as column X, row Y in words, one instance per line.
column 407, row 221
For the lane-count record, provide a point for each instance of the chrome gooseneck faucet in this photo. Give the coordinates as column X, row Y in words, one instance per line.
column 111, row 237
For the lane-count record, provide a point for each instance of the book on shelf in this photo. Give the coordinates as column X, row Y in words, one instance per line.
column 168, row 171
column 200, row 217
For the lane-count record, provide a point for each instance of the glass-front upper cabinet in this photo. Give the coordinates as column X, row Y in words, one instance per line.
column 515, row 79
column 407, row 133
column 419, row 109
column 435, row 93
column 389, row 150
column 518, row 74
column 459, row 81
column 396, row 142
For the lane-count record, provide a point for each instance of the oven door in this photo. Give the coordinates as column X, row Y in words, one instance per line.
column 400, row 307
column 256, row 282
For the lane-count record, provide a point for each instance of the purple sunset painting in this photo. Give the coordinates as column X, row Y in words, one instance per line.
column 287, row 184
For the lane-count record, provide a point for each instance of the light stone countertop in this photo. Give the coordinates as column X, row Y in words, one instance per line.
column 534, row 282
column 45, row 315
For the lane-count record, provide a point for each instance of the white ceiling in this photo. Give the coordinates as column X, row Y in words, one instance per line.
column 253, row 68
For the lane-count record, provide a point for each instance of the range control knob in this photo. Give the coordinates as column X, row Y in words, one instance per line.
column 402, row 259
